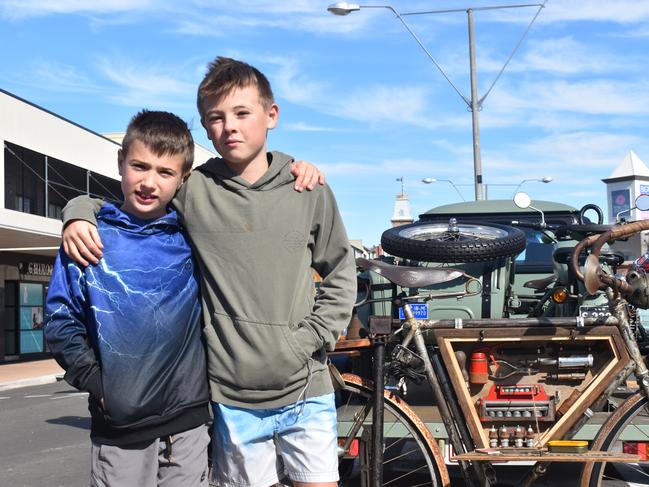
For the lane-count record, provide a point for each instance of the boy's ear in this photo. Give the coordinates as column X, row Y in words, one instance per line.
column 272, row 116
column 120, row 159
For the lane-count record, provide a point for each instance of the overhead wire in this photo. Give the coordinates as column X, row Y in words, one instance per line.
column 511, row 55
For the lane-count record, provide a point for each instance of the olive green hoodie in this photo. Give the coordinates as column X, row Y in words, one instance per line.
column 257, row 245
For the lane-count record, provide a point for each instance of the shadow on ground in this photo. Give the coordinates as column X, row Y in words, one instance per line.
column 76, row 421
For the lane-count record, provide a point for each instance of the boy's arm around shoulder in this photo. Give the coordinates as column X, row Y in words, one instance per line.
column 81, row 241
column 65, row 327
column 82, row 208
column 333, row 259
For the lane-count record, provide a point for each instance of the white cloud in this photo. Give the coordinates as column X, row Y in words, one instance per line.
column 291, row 84
column 266, row 6
column 608, row 97
column 530, row 102
column 562, row 56
column 565, row 152
column 141, row 85
column 381, row 103
column 307, row 127
column 620, row 11
column 375, row 105
column 414, row 168
column 304, row 17
column 35, row 8
column 49, row 75
column 199, row 17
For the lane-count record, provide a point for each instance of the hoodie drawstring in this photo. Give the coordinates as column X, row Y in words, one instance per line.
column 302, row 397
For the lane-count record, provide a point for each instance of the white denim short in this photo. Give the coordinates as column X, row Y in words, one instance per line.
column 259, row 447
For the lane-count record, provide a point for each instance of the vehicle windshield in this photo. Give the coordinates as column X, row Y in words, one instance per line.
column 538, row 251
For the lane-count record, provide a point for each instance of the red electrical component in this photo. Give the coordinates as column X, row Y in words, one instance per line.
column 478, row 368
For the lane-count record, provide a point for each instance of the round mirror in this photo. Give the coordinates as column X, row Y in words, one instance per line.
column 522, row 200
column 642, row 202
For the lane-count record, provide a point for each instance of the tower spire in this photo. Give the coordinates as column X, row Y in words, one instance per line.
column 402, row 214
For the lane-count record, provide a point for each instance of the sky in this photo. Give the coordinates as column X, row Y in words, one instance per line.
column 357, row 96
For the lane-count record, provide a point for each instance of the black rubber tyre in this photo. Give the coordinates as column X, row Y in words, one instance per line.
column 596, row 209
column 632, row 417
column 466, row 242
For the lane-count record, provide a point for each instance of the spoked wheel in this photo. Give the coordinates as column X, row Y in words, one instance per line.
column 411, row 455
column 627, row 426
column 453, row 241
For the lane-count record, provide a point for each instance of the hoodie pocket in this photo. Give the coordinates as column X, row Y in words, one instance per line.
column 256, row 356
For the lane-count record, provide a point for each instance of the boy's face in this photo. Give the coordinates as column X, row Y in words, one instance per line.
column 237, row 124
column 149, row 182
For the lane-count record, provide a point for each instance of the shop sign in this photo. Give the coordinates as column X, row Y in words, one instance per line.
column 35, row 269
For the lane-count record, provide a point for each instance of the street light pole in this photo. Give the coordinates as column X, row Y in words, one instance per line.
column 475, row 107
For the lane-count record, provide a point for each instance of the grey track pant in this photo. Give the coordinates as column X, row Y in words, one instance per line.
column 178, row 461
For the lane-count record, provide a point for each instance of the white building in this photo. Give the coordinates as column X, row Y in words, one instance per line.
column 401, row 214
column 46, row 161
column 628, row 180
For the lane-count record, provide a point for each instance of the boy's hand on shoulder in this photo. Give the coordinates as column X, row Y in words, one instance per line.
column 81, row 242
column 306, row 176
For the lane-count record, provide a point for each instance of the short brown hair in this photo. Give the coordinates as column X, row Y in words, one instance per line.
column 163, row 133
column 225, row 74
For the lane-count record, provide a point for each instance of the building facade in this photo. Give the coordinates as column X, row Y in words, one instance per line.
column 628, row 180
column 46, row 161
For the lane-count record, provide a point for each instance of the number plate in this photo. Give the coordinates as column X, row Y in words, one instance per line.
column 600, row 311
column 419, row 310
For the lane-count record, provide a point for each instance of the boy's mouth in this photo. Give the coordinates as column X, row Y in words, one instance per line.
column 144, row 197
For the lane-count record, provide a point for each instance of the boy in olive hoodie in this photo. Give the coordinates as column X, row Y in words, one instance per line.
column 257, row 242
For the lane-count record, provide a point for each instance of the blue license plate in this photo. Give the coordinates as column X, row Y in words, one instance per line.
column 419, row 310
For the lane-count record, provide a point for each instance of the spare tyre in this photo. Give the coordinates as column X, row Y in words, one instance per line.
column 453, row 241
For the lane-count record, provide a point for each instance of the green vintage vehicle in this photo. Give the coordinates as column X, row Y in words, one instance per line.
column 519, row 254
column 499, row 261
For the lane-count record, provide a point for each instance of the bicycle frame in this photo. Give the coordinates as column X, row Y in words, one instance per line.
column 477, row 471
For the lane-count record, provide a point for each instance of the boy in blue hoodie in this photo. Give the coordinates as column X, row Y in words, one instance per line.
column 128, row 331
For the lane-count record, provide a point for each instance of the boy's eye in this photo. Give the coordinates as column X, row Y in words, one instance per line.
column 243, row 113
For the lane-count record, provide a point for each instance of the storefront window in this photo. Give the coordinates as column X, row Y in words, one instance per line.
column 31, row 317
column 10, row 331
column 23, row 318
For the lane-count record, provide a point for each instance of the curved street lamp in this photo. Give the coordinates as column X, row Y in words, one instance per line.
column 474, row 103
column 433, row 180
column 546, row 179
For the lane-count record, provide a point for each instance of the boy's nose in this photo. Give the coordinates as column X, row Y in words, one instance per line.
column 148, row 181
column 229, row 124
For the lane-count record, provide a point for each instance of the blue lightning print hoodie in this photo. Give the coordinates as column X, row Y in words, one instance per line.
column 128, row 330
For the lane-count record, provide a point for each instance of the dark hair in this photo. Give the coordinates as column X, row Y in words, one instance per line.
column 163, row 133
column 225, row 74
